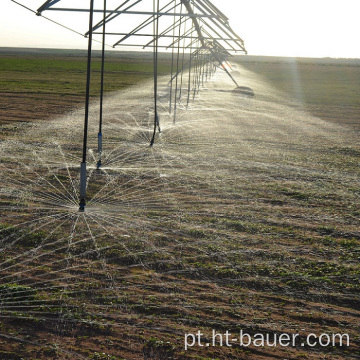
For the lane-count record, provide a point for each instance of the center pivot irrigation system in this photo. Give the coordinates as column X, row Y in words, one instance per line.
column 196, row 32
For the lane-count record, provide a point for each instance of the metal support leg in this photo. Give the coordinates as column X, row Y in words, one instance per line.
column 82, row 186
column 99, row 149
column 87, row 103
column 101, row 89
column 156, row 52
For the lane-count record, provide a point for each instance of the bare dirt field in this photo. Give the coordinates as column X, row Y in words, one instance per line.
column 39, row 84
column 243, row 217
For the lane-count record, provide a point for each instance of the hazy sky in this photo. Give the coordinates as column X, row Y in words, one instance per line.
column 310, row 28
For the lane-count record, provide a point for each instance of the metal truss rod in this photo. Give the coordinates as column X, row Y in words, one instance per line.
column 172, row 61
column 162, row 36
column 183, row 37
column 25, row 7
column 190, row 67
column 46, row 5
column 183, row 66
column 201, row 78
column 182, row 62
column 136, row 12
column 189, row 81
column 191, row 43
column 220, row 62
column 177, row 68
column 224, row 19
column 200, row 37
column 174, row 25
column 216, row 10
column 156, row 115
column 223, row 26
column 165, row 32
column 213, row 10
column 226, row 40
column 219, row 25
column 196, row 78
column 101, row 89
column 107, row 17
column 209, row 37
column 196, row 23
column 239, row 39
column 164, row 47
column 46, row 18
column 145, row 23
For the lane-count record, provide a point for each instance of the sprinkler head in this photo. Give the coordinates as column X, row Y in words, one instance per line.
column 244, row 91
column 82, row 205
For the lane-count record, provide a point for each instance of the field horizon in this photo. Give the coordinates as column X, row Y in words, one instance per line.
column 286, row 70
column 112, row 52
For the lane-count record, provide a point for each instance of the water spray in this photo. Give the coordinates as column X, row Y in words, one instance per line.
column 208, row 41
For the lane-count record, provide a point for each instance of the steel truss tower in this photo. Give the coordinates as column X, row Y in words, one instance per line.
column 196, row 32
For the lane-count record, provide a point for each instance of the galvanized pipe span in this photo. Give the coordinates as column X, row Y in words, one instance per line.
column 208, row 42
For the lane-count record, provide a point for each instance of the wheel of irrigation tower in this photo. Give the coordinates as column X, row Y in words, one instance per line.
column 244, row 91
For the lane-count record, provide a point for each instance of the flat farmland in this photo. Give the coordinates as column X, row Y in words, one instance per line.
column 327, row 88
column 243, row 216
column 40, row 84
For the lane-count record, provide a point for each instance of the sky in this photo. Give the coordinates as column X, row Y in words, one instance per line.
column 303, row 28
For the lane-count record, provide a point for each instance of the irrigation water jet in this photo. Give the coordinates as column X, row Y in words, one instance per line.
column 137, row 252
column 209, row 42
